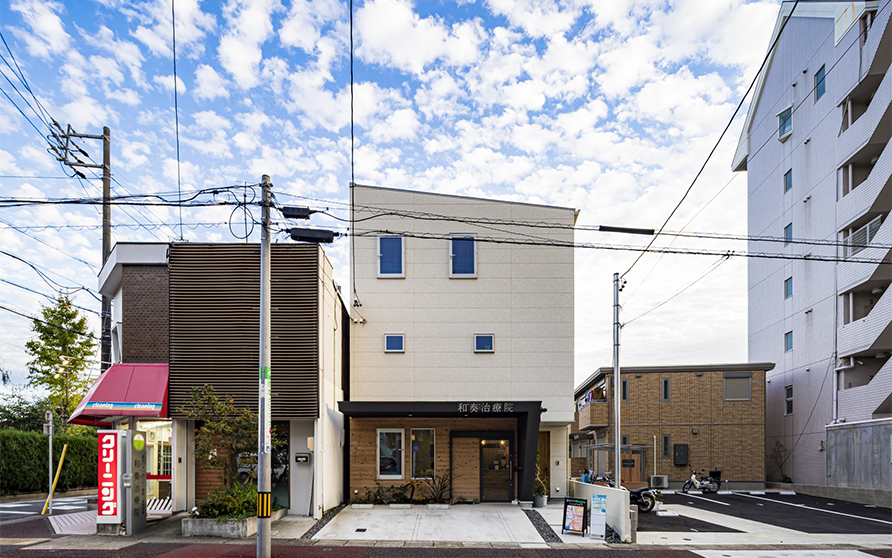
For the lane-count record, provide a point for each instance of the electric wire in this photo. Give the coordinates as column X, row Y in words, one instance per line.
column 721, row 136
column 49, row 281
column 21, row 76
column 50, row 297
column 176, row 107
column 63, row 252
column 24, row 315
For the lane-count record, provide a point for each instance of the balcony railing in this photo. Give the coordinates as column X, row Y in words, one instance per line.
column 860, row 239
column 593, row 415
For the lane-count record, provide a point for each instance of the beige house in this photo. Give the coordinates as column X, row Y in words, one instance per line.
column 462, row 343
column 674, row 419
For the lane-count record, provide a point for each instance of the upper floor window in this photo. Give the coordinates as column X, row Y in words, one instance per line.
column 788, row 400
column 785, row 123
column 394, row 343
column 788, row 234
column 737, row 386
column 463, row 256
column 788, row 287
column 624, row 389
column 666, row 387
column 484, row 343
column 788, row 181
column 820, row 84
column 391, row 260
column 788, row 341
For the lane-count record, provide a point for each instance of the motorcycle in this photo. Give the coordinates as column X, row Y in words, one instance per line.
column 645, row 498
column 706, row 483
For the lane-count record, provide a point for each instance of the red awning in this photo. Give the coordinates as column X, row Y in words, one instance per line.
column 125, row 390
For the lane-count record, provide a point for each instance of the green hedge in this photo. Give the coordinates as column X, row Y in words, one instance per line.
column 23, row 462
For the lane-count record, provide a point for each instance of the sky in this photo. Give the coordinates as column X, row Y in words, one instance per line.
column 609, row 107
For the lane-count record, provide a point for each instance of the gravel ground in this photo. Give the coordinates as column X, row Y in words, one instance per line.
column 542, row 526
column 322, row 522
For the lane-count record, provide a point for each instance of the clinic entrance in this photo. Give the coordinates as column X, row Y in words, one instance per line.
column 495, row 463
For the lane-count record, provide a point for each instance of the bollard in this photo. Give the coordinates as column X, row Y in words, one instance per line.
column 633, row 514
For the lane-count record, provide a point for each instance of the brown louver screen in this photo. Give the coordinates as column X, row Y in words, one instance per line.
column 215, row 325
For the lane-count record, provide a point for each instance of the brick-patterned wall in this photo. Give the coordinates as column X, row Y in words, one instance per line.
column 730, row 434
column 144, row 313
column 465, row 451
column 577, row 466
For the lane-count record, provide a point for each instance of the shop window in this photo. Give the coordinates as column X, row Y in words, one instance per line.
column 738, row 386
column 394, row 343
column 390, row 453
column 484, row 343
column 391, row 257
column 423, row 453
column 463, row 256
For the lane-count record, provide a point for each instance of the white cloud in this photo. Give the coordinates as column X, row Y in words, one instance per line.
column 125, row 52
column 166, row 82
column 48, row 36
column 538, row 18
column 249, row 25
column 302, row 27
column 157, row 32
column 400, row 124
column 393, row 35
column 209, row 84
column 135, row 153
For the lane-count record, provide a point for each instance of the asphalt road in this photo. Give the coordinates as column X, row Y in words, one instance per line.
column 19, row 510
column 799, row 512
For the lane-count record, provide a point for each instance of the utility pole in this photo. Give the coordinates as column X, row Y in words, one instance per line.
column 62, row 145
column 617, row 385
column 264, row 416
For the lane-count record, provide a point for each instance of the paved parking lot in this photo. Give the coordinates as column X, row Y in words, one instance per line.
column 799, row 512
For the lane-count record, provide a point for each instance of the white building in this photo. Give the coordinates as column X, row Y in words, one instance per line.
column 461, row 348
column 816, row 148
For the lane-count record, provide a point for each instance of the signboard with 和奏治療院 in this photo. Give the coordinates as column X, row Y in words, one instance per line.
column 574, row 516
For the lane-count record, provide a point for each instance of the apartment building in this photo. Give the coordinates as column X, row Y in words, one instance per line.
column 462, row 343
column 674, row 419
column 815, row 146
column 185, row 315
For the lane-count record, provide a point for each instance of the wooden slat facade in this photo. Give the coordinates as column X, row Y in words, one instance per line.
column 215, row 325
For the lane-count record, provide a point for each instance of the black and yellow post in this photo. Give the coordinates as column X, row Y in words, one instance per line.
column 264, row 504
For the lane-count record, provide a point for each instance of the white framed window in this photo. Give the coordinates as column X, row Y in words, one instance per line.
column 785, row 123
column 390, row 453
column 463, row 256
column 484, row 343
column 394, row 343
column 391, row 257
column 737, row 386
column 424, row 452
column 788, row 400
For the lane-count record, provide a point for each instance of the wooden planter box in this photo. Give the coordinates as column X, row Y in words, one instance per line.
column 229, row 529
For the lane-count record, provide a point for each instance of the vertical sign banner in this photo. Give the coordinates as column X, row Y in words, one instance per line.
column 598, row 528
column 136, row 510
column 266, row 408
column 574, row 516
column 109, row 477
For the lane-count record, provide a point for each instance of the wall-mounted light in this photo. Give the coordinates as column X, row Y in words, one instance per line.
column 822, row 448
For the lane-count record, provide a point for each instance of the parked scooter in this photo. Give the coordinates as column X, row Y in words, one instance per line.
column 645, row 498
column 706, row 483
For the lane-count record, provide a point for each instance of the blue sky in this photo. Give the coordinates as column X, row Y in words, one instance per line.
column 608, row 107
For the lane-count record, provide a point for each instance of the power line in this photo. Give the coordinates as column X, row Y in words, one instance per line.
column 130, row 226
column 46, row 279
column 63, row 252
column 176, row 107
column 22, row 314
column 627, row 248
column 47, row 296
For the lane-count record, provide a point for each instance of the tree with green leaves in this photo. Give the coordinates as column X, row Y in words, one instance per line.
column 61, row 353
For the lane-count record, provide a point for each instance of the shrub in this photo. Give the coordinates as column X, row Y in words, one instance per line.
column 237, row 501
column 23, row 462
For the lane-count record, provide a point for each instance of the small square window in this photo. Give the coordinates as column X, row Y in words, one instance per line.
column 820, row 83
column 484, row 343
column 788, row 287
column 391, row 260
column 394, row 343
column 788, row 341
column 785, row 123
column 788, row 181
column 667, row 384
column 624, row 439
column 463, row 256
column 788, row 234
column 788, row 400
column 737, row 386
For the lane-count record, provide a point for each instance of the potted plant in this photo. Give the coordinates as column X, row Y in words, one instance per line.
column 540, row 493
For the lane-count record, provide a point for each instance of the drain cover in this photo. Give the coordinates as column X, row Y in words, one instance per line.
column 360, row 530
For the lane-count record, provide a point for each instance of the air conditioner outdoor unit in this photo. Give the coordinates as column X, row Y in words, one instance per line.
column 659, row 481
